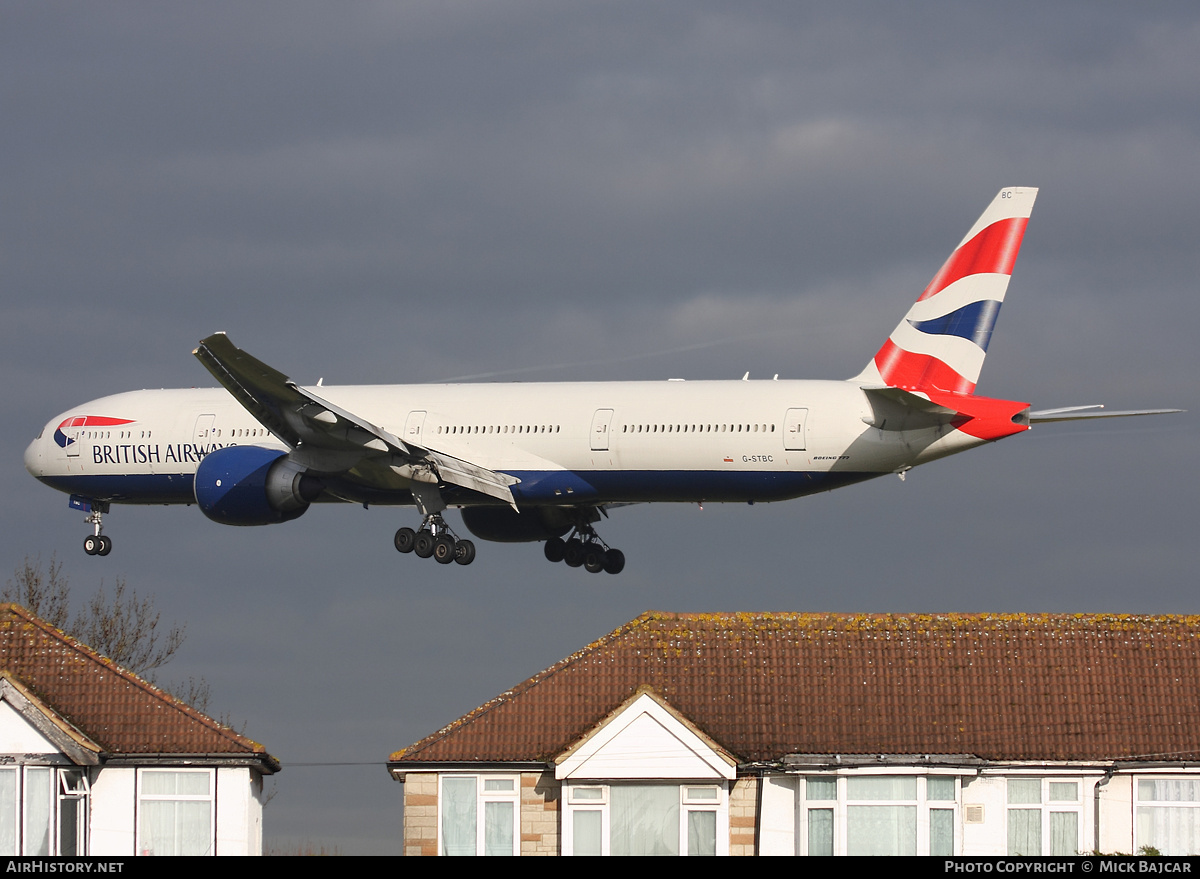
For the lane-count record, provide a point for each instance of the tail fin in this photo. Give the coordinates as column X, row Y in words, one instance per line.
column 941, row 343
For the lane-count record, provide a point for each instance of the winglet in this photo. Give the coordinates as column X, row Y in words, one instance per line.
column 263, row 391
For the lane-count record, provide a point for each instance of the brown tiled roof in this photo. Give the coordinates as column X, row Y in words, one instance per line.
column 1000, row 687
column 116, row 709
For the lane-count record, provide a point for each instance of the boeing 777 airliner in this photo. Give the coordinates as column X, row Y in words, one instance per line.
column 540, row 462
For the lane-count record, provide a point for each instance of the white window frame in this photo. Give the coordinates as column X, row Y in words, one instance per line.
column 27, row 829
column 693, row 798
column 1047, row 807
column 143, row 798
column 1139, row 804
column 80, row 795
column 483, row 796
column 57, row 790
column 841, row 805
column 15, row 830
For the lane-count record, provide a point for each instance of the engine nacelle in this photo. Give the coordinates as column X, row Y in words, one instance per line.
column 250, row 485
column 506, row 525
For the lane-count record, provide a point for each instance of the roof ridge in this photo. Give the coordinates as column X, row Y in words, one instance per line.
column 524, row 686
column 137, row 680
column 985, row 672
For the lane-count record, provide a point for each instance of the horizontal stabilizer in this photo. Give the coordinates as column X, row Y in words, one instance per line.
column 913, row 400
column 1082, row 413
column 897, row 409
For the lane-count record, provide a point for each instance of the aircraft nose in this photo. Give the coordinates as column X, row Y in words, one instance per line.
column 33, row 458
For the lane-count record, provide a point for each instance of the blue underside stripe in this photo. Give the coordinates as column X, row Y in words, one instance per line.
column 537, row 487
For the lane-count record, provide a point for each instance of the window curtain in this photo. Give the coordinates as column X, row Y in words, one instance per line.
column 644, row 819
column 458, row 816
column 881, row 830
column 8, row 811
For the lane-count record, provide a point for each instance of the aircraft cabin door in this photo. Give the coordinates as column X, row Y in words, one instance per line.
column 204, row 426
column 413, row 426
column 600, row 424
column 72, row 434
column 793, row 430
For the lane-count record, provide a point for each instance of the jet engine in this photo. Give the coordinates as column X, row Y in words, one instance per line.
column 250, row 485
column 506, row 525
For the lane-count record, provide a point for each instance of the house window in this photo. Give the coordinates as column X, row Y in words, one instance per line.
column 479, row 815
column 1168, row 815
column 1044, row 816
column 35, row 811
column 877, row 815
column 645, row 819
column 73, row 790
column 175, row 812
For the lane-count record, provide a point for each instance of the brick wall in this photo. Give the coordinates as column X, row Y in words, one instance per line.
column 540, row 796
column 420, row 813
column 743, row 812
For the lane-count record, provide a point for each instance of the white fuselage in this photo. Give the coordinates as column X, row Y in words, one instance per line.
column 568, row 443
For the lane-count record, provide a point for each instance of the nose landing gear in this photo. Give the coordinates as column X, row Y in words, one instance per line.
column 97, row 543
column 435, row 539
column 585, row 549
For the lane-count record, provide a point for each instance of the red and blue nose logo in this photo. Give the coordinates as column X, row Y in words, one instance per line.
column 75, row 423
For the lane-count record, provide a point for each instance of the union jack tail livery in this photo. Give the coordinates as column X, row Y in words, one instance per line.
column 941, row 343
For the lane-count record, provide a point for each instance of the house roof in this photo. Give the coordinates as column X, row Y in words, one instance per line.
column 996, row 686
column 106, row 704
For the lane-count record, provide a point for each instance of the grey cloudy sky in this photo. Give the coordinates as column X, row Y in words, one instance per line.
column 410, row 192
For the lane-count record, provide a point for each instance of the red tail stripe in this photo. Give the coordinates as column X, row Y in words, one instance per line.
column 903, row 369
column 993, row 251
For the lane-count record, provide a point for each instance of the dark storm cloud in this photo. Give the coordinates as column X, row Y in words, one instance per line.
column 536, row 190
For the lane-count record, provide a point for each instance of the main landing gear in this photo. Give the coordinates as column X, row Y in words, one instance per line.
column 585, row 548
column 437, row 540
column 97, row 544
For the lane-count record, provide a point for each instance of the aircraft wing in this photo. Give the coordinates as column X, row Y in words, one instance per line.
column 1081, row 413
column 266, row 393
column 326, row 436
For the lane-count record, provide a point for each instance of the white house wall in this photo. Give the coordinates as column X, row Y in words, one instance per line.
column 239, row 811
column 1116, row 804
column 646, row 749
column 18, row 736
column 645, row 741
column 113, row 829
column 777, row 821
column 991, row 836
column 114, row 795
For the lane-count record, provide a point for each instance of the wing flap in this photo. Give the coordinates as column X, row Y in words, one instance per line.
column 476, row 478
column 324, row 434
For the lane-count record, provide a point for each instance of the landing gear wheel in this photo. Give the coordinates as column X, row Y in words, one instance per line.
column 405, row 540
column 555, row 549
column 594, row 558
column 92, row 545
column 573, row 552
column 615, row 562
column 105, row 545
column 443, row 549
column 423, row 545
column 464, row 552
